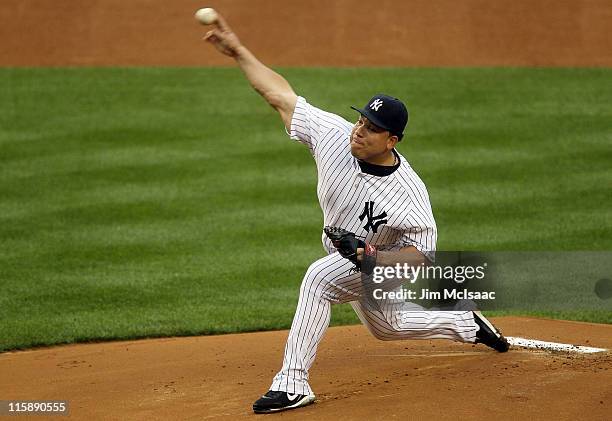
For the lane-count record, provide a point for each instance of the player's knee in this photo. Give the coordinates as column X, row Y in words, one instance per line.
column 381, row 336
column 382, row 329
column 315, row 280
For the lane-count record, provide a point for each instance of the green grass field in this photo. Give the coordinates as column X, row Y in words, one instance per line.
column 152, row 202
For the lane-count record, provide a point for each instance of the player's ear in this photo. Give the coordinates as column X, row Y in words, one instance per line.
column 392, row 141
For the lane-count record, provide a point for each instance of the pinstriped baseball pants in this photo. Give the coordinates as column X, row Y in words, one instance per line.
column 330, row 280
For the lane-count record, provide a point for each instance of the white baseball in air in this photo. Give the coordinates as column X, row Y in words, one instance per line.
column 206, row 16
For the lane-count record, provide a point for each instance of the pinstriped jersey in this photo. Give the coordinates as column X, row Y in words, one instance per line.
column 389, row 211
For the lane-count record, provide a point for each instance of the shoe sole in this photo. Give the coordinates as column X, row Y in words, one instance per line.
column 500, row 337
column 488, row 323
column 306, row 400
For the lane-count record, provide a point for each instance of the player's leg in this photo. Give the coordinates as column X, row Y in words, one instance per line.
column 391, row 319
column 330, row 279
column 404, row 320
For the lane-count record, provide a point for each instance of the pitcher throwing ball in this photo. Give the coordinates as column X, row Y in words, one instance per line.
column 376, row 212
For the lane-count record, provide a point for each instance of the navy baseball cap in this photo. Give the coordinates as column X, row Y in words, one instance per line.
column 387, row 113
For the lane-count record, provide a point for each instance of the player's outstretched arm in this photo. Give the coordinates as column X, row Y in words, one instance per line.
column 273, row 87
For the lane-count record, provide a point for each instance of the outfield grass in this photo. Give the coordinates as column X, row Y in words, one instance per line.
column 146, row 202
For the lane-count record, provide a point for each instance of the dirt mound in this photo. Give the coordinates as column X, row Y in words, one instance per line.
column 355, row 376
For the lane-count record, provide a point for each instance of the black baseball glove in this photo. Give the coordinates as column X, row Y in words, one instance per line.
column 347, row 244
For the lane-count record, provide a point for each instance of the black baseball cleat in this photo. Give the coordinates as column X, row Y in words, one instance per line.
column 280, row 401
column 488, row 334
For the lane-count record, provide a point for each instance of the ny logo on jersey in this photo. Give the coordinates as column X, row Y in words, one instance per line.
column 376, row 104
column 373, row 221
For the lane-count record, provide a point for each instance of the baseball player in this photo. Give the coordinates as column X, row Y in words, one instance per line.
column 377, row 213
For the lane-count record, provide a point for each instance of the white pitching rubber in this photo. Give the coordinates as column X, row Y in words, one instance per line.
column 552, row 346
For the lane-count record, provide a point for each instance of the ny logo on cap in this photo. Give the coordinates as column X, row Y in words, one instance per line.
column 376, row 104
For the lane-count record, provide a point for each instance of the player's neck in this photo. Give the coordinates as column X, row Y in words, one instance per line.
column 386, row 159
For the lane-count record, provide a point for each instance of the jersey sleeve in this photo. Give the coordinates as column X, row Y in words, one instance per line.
column 313, row 126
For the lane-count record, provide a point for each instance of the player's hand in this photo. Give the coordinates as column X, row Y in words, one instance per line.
column 345, row 242
column 223, row 38
column 360, row 254
column 363, row 255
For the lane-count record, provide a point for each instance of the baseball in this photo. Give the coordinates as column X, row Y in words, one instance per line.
column 206, row 16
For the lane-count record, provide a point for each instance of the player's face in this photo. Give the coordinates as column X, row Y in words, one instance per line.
column 371, row 143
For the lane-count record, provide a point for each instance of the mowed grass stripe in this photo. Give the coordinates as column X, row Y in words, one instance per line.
column 152, row 202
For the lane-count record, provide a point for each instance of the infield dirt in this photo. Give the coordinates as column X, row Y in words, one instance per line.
column 310, row 32
column 355, row 377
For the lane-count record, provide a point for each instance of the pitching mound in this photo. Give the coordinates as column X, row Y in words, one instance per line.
column 355, row 376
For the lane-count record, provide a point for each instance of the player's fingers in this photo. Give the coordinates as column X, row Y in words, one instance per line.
column 212, row 36
column 221, row 23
